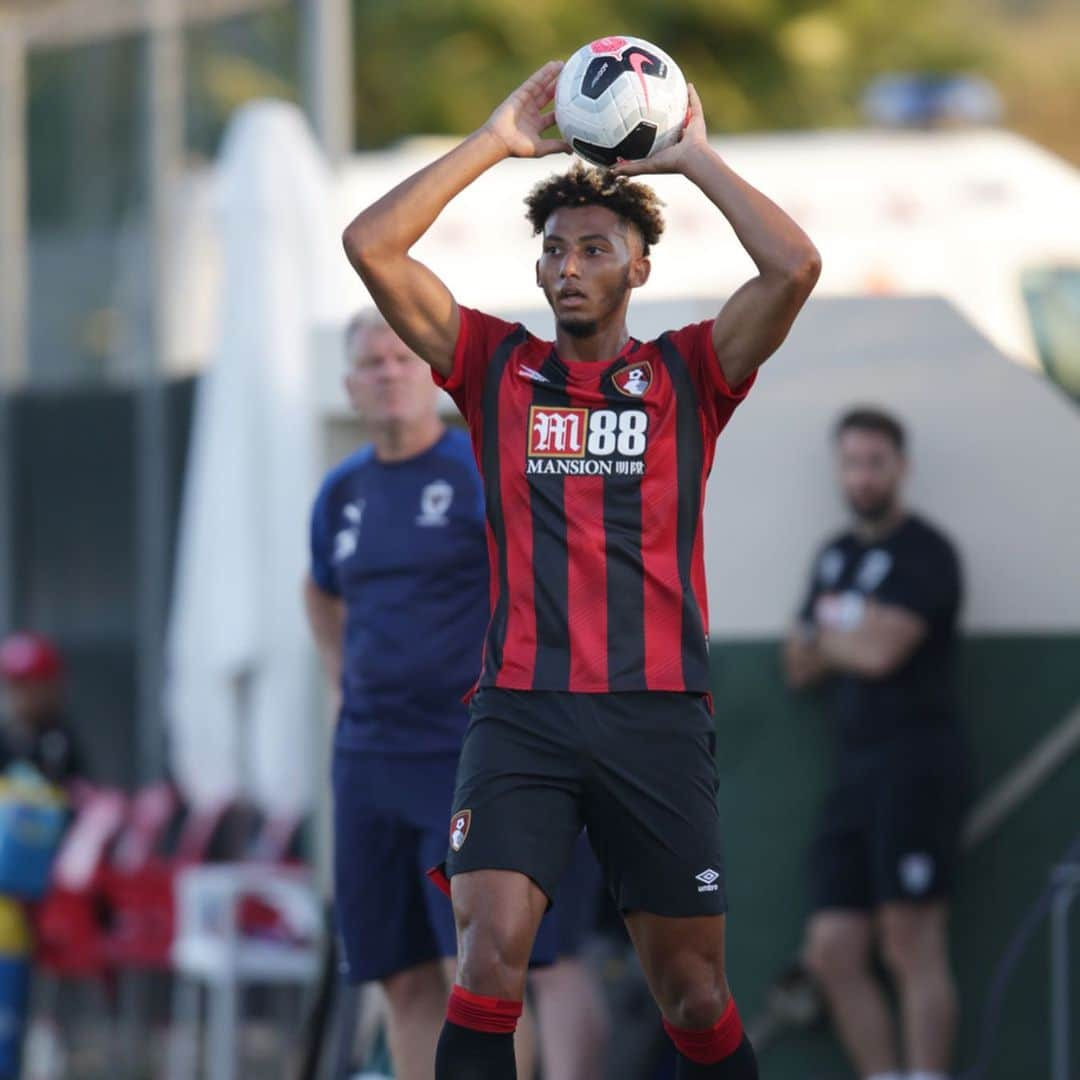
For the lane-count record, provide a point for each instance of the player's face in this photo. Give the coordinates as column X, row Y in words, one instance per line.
column 871, row 471
column 387, row 382
column 590, row 261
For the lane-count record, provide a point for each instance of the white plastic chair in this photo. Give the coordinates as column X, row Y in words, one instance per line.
column 210, row 950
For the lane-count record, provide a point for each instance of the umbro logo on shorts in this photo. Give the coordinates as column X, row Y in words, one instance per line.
column 708, row 879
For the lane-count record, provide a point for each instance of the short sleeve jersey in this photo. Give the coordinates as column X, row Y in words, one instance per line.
column 594, row 481
column 916, row 568
column 403, row 545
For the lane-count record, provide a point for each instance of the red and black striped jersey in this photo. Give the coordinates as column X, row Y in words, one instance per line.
column 594, row 480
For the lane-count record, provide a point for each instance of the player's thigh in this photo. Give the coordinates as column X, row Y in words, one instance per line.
column 650, row 802
column 379, row 893
column 682, row 958
column 517, row 797
column 916, row 833
column 497, row 913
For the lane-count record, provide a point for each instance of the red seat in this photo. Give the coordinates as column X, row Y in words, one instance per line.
column 139, row 883
column 70, row 922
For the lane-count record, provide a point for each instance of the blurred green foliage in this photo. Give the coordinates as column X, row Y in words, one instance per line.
column 442, row 65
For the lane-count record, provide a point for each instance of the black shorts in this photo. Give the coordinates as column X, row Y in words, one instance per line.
column 889, row 832
column 635, row 769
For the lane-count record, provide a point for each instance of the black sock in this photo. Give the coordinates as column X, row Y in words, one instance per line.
column 465, row 1054
column 742, row 1065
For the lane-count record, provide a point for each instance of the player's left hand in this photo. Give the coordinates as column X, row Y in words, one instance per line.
column 673, row 158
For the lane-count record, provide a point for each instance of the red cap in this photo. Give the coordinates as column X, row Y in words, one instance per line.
column 26, row 657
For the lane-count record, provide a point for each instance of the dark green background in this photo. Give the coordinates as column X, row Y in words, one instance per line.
column 774, row 755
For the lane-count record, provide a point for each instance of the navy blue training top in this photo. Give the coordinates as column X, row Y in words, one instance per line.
column 404, row 545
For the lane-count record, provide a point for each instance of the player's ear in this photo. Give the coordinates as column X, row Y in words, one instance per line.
column 539, row 283
column 640, row 268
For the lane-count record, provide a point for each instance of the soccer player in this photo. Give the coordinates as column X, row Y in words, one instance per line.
column 878, row 624
column 592, row 704
column 397, row 601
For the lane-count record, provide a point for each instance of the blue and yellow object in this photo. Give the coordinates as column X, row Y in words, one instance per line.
column 16, row 947
column 33, row 814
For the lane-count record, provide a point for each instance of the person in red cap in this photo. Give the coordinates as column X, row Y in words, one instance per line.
column 35, row 728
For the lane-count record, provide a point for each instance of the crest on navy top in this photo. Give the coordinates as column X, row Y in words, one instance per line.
column 435, row 502
column 634, row 380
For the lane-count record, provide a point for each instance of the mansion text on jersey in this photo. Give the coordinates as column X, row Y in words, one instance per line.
column 582, row 467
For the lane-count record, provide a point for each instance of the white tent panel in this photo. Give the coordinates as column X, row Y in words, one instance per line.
column 993, row 451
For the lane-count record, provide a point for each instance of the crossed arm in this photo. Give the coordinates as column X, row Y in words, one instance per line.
column 882, row 643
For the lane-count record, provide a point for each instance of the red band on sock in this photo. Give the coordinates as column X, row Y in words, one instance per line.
column 488, row 1014
column 713, row 1045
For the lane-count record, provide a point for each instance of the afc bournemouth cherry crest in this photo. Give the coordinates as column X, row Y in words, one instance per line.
column 459, row 829
column 634, row 380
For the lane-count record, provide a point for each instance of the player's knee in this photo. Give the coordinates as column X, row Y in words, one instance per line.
column 492, row 963
column 908, row 946
column 834, row 953
column 487, row 969
column 697, row 1005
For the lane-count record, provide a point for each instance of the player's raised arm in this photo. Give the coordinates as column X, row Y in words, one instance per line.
column 412, row 299
column 756, row 319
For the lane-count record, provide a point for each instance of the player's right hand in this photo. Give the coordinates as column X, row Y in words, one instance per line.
column 519, row 122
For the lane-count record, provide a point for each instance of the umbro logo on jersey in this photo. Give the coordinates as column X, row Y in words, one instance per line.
column 708, row 879
column 532, row 373
column 634, row 380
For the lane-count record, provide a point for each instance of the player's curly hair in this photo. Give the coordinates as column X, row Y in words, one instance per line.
column 583, row 186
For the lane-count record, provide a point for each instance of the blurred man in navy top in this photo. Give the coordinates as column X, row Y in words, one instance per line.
column 397, row 599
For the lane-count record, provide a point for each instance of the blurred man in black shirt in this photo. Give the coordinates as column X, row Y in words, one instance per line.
column 878, row 627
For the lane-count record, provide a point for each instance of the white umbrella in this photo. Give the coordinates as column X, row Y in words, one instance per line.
column 239, row 695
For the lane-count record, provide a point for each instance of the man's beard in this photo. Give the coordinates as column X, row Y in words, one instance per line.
column 873, row 513
column 579, row 328
column 583, row 328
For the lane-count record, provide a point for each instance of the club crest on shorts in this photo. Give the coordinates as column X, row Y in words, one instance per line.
column 916, row 872
column 459, row 829
column 634, row 379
